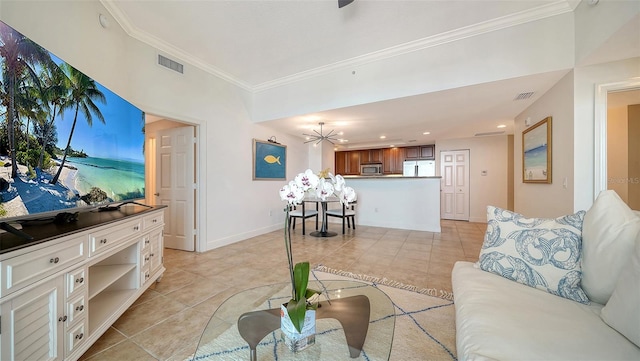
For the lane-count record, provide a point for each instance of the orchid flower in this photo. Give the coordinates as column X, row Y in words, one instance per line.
column 307, row 180
column 348, row 195
column 324, row 189
column 292, row 193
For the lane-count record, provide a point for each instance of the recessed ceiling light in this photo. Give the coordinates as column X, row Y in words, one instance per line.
column 383, row 136
column 426, row 133
column 340, row 133
column 391, row 146
column 502, row 126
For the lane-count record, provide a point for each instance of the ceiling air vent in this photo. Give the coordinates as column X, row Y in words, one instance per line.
column 173, row 65
column 523, row 96
column 489, row 133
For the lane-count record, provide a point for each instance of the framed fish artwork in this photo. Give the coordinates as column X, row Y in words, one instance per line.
column 269, row 160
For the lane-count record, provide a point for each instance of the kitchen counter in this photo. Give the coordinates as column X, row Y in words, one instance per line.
column 389, row 176
column 401, row 202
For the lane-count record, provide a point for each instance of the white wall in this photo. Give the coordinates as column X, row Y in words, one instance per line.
column 548, row 200
column 231, row 206
column 485, row 153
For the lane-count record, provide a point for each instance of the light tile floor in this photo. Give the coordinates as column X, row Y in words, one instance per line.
column 167, row 320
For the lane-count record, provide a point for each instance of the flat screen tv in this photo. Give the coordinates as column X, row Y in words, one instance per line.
column 66, row 141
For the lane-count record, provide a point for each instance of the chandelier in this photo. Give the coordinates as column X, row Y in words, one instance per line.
column 319, row 137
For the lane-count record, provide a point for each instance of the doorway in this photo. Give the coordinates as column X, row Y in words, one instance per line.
column 454, row 191
column 629, row 91
column 623, row 149
column 172, row 181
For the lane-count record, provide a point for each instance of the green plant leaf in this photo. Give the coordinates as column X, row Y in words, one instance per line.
column 301, row 279
column 296, row 311
column 310, row 293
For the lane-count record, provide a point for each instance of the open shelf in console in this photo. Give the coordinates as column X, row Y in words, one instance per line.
column 111, row 282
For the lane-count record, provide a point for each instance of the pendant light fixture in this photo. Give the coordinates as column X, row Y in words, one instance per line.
column 319, row 136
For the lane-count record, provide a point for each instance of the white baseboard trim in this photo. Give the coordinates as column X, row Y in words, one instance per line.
column 220, row 242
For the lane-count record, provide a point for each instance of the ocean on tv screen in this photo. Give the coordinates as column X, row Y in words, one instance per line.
column 67, row 141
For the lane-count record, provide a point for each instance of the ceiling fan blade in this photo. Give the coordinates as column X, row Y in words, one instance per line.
column 343, row 3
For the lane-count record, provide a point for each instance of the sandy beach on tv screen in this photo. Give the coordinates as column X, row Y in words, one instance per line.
column 37, row 194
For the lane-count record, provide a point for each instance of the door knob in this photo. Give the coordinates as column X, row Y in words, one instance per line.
column 156, row 194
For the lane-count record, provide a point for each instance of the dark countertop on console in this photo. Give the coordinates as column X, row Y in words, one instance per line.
column 45, row 230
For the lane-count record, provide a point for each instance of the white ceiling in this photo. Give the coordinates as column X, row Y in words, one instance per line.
column 255, row 44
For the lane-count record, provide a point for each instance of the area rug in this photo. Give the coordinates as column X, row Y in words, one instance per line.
column 425, row 318
column 424, row 325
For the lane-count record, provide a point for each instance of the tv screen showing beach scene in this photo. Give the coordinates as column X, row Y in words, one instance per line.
column 66, row 141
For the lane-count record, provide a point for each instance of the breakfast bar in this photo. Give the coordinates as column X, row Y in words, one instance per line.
column 398, row 202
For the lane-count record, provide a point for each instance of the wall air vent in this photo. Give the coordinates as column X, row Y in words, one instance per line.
column 523, row 96
column 489, row 133
column 173, row 65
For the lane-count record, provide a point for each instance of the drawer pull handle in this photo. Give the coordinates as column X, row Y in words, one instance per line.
column 146, row 258
column 62, row 319
column 80, row 280
column 155, row 220
column 146, row 241
column 79, row 336
column 135, row 228
column 80, row 308
column 103, row 241
column 152, row 255
column 54, row 260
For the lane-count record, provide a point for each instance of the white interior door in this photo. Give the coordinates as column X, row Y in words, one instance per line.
column 175, row 185
column 454, row 192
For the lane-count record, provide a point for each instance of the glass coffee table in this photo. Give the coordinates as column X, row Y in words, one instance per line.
column 221, row 338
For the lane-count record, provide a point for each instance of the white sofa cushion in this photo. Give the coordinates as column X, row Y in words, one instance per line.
column 622, row 312
column 543, row 253
column 497, row 319
column 608, row 234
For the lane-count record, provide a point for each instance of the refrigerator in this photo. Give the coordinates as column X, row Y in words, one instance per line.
column 419, row 168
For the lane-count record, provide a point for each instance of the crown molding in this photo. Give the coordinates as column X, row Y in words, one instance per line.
column 169, row 49
column 544, row 11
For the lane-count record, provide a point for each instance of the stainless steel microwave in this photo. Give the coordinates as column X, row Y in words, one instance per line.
column 371, row 169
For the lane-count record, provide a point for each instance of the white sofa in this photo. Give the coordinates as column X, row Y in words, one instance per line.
column 500, row 319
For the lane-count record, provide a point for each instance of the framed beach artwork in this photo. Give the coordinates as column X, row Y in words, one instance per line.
column 269, row 160
column 536, row 153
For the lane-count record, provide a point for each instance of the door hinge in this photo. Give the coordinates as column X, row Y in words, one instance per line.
column 195, row 140
column 195, row 185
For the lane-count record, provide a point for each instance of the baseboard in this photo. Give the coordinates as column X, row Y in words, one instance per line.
column 224, row 241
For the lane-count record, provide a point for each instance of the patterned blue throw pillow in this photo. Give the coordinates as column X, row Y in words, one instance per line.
column 542, row 253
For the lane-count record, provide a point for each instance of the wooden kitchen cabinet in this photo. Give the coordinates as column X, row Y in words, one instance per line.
column 420, row 152
column 347, row 162
column 353, row 166
column 392, row 160
column 412, row 152
column 371, row 156
column 428, row 151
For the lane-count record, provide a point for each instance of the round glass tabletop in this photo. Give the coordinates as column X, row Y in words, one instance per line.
column 221, row 339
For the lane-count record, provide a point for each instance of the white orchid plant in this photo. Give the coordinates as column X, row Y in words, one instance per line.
column 308, row 183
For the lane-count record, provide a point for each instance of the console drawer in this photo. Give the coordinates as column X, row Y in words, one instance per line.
column 154, row 220
column 107, row 238
column 23, row 270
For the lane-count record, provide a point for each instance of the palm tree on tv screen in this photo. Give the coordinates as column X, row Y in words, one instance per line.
column 84, row 94
column 18, row 52
column 54, row 93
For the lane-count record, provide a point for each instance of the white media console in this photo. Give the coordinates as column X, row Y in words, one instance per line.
column 62, row 290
